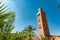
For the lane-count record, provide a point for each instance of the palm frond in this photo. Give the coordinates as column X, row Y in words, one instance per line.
column 2, row 5
column 6, row 15
column 3, row 9
column 1, row 2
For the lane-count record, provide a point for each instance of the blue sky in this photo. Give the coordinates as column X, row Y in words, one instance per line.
column 26, row 11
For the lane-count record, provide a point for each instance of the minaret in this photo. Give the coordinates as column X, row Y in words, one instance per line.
column 42, row 23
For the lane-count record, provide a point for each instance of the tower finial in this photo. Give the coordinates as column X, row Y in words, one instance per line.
column 40, row 10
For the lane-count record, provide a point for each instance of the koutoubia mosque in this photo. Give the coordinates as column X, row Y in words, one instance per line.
column 43, row 29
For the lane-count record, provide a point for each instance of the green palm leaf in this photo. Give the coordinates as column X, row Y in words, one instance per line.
column 6, row 21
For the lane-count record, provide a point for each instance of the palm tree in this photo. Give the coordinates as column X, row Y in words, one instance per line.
column 6, row 21
column 29, row 32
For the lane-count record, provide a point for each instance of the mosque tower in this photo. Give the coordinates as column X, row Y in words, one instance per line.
column 42, row 23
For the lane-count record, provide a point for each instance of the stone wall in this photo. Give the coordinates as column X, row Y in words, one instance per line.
column 55, row 37
column 35, row 38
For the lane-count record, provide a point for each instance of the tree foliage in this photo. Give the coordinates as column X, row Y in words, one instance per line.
column 58, row 5
column 25, row 34
column 6, row 26
column 6, row 22
column 44, row 38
